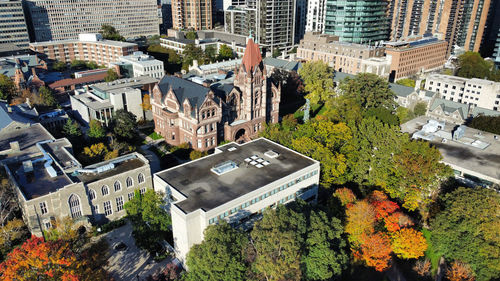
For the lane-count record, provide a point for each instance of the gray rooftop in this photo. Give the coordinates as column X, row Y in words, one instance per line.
column 206, row 190
column 126, row 82
column 449, row 106
column 120, row 167
column 20, row 113
column 484, row 161
column 76, row 41
column 27, row 139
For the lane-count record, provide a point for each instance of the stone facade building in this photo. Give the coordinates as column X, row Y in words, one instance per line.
column 186, row 112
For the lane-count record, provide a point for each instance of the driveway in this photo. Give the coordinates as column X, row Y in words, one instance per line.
column 133, row 263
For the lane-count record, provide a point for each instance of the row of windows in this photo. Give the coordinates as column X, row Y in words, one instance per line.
column 117, row 186
column 108, row 210
column 262, row 197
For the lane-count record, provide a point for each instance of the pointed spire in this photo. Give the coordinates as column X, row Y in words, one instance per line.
column 252, row 57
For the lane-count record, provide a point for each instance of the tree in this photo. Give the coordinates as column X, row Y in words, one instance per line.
column 406, row 82
column 383, row 114
column 459, row 271
column 277, row 241
column 191, row 52
column 195, row 154
column 146, row 102
column 221, row 255
column 467, row 230
column 368, row 90
column 486, row 123
column 96, row 130
column 111, row 75
column 210, row 53
column 149, row 208
column 95, row 152
column 408, row 243
column 8, row 199
column 472, row 65
column 59, row 66
column 345, row 195
column 124, row 124
column 109, row 32
column 11, row 234
column 376, row 251
column 191, row 35
column 78, row 64
column 420, row 109
column 7, row 88
column 325, row 256
column 47, row 97
column 72, row 129
column 318, row 81
column 422, row 267
column 225, row 53
column 360, row 221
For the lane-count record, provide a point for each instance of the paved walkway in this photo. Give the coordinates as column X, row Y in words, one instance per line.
column 133, row 263
column 154, row 161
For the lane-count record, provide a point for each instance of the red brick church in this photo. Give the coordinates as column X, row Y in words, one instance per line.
column 187, row 112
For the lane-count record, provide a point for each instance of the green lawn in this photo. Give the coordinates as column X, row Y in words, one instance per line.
column 316, row 109
column 431, row 252
column 155, row 136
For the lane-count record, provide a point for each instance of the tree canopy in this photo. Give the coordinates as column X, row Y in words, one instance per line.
column 111, row 75
column 109, row 32
column 47, row 97
column 191, row 35
column 318, row 81
column 96, row 129
column 72, row 129
column 7, row 88
column 486, row 123
column 124, row 124
column 225, row 53
column 368, row 90
column 467, row 230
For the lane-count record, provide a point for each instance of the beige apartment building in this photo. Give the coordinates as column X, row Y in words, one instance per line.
column 342, row 56
column 192, row 14
column 411, row 57
column 89, row 47
column 65, row 19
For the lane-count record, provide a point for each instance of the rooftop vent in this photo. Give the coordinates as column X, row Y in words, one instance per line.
column 271, row 154
column 231, row 148
column 224, row 167
column 27, row 166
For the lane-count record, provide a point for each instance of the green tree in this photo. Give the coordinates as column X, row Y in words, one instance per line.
column 96, row 130
column 467, row 229
column 149, row 208
column 111, row 75
column 191, row 52
column 420, row 109
column 277, row 240
column 383, row 114
column 47, row 97
column 472, row 65
column 318, row 81
column 276, row 53
column 225, row 52
column 59, row 66
column 368, row 90
column 210, row 53
column 325, row 256
column 124, row 124
column 12, row 233
column 406, row 82
column 486, row 123
column 78, row 64
column 72, row 129
column 109, row 32
column 92, row 65
column 221, row 255
column 191, row 35
column 7, row 87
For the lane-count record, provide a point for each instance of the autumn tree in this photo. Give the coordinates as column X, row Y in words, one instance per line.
column 11, row 234
column 345, row 195
column 221, row 255
column 460, row 271
column 8, row 197
column 376, row 251
column 47, row 97
column 467, row 230
column 95, row 152
column 318, row 81
column 422, row 267
column 96, row 130
column 408, row 243
column 360, row 221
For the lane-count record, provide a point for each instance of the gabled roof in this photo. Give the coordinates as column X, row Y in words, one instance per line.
column 449, row 106
column 252, row 57
column 400, row 90
column 184, row 89
column 483, row 111
column 8, row 64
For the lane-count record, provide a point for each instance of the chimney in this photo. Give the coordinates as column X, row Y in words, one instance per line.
column 14, row 145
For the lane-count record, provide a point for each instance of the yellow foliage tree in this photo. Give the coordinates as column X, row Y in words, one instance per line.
column 407, row 243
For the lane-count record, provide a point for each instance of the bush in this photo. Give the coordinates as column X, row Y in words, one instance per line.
column 195, row 154
column 107, row 227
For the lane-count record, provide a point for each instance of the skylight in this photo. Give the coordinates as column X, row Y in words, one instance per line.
column 224, row 167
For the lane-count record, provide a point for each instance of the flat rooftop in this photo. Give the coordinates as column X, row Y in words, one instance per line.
column 126, row 82
column 91, row 101
column 483, row 161
column 27, row 139
column 206, row 190
column 103, row 42
column 121, row 167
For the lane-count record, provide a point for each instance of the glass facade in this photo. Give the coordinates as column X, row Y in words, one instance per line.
column 357, row 21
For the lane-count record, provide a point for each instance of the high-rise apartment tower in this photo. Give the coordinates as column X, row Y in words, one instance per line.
column 192, row 14
column 13, row 31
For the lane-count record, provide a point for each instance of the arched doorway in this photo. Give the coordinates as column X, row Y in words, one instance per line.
column 240, row 136
column 74, row 206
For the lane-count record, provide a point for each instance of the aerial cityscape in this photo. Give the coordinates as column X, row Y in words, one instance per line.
column 260, row 140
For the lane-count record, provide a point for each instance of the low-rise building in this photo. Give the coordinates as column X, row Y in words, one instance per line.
column 23, row 69
column 89, row 47
column 68, row 85
column 140, row 64
column 236, row 183
column 15, row 117
column 99, row 101
column 415, row 55
column 476, row 92
column 51, row 184
column 474, row 155
column 342, row 56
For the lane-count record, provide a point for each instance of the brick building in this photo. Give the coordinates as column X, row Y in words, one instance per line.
column 186, row 112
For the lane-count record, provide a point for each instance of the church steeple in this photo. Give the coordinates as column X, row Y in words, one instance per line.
column 252, row 57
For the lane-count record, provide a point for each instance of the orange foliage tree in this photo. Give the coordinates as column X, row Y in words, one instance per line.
column 345, row 195
column 408, row 243
column 376, row 251
column 360, row 221
column 459, row 271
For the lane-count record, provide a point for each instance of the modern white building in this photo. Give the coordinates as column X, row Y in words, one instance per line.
column 316, row 11
column 475, row 92
column 236, row 183
column 100, row 100
column 144, row 65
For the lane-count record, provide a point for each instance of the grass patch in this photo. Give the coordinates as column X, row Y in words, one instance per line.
column 316, row 109
column 431, row 253
column 155, row 136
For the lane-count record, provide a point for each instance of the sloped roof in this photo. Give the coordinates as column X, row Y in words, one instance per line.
column 184, row 89
column 484, row 111
column 252, row 57
column 8, row 64
column 284, row 64
column 20, row 113
column 400, row 90
column 449, row 106
column 84, row 79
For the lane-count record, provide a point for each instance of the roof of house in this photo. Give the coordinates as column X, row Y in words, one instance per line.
column 284, row 64
column 82, row 80
column 184, row 89
column 449, row 106
column 483, row 111
column 252, row 57
column 8, row 64
column 206, row 190
column 20, row 113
